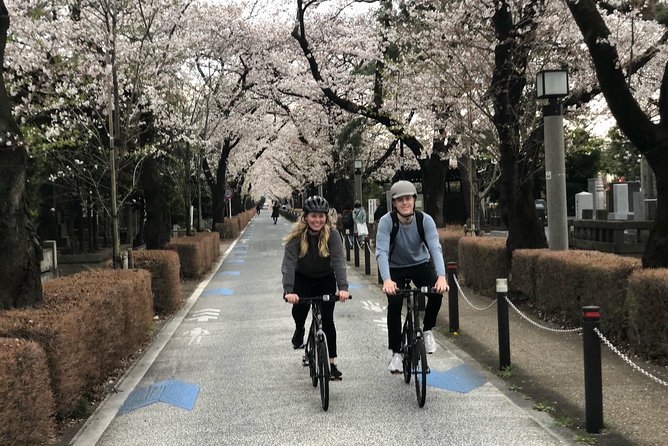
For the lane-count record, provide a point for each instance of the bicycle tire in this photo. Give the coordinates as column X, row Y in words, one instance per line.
column 311, row 355
column 323, row 372
column 406, row 335
column 420, row 367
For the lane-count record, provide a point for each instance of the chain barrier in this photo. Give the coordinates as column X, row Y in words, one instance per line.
column 459, row 287
column 627, row 360
column 555, row 330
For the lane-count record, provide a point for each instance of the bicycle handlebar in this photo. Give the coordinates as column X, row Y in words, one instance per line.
column 423, row 290
column 323, row 298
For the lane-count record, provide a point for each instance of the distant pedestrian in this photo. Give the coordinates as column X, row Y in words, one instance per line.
column 257, row 208
column 274, row 212
column 359, row 218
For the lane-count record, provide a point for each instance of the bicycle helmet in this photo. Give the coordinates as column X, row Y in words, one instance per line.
column 403, row 188
column 316, row 203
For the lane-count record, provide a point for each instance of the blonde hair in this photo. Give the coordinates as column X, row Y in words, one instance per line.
column 300, row 229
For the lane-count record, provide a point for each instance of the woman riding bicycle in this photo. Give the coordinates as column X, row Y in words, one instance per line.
column 314, row 264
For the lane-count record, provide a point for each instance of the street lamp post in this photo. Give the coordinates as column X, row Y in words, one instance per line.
column 553, row 85
column 358, row 180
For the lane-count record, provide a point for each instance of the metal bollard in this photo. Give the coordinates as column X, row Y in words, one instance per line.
column 356, row 249
column 502, row 317
column 591, row 318
column 124, row 260
column 453, row 298
column 131, row 259
column 367, row 256
column 346, row 234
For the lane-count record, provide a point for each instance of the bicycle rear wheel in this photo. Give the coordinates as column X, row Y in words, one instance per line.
column 406, row 335
column 421, row 368
column 310, row 355
column 323, row 372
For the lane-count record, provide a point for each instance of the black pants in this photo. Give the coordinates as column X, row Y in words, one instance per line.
column 310, row 287
column 420, row 275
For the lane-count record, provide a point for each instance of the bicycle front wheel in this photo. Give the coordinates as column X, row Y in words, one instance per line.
column 311, row 357
column 323, row 372
column 420, row 367
column 406, row 336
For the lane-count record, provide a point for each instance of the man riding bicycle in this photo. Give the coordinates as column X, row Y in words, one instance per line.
column 408, row 248
column 314, row 264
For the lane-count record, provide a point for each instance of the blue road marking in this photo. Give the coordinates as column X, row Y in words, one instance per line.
column 355, row 286
column 461, row 379
column 174, row 392
column 223, row 291
column 180, row 394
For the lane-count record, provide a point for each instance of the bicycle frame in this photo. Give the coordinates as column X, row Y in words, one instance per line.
column 415, row 356
column 316, row 354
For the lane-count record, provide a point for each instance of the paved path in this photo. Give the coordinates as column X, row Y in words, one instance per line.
column 222, row 371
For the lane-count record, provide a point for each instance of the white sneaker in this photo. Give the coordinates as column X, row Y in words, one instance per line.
column 396, row 363
column 429, row 342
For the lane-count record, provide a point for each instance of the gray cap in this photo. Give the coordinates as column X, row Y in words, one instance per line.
column 402, row 188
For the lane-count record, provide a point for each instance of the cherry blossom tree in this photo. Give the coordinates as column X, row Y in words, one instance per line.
column 645, row 122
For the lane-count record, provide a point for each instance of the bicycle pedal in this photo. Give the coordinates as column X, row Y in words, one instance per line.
column 305, row 361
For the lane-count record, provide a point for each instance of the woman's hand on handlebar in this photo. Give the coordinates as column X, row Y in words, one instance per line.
column 291, row 298
column 389, row 287
column 343, row 295
column 441, row 285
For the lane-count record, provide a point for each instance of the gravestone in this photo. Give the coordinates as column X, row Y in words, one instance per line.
column 583, row 200
column 620, row 200
column 597, row 190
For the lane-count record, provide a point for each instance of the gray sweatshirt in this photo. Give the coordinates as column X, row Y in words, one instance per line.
column 408, row 247
column 312, row 265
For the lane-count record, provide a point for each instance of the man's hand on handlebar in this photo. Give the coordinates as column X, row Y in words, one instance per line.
column 441, row 285
column 343, row 295
column 389, row 287
column 291, row 298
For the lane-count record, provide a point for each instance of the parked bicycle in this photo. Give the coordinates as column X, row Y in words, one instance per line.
column 412, row 342
column 316, row 353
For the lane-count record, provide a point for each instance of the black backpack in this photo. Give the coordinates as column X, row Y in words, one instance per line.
column 347, row 219
column 419, row 220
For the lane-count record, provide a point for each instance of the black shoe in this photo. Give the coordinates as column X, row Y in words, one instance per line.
column 298, row 338
column 334, row 373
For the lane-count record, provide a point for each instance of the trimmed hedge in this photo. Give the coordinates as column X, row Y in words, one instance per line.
column 86, row 323
column 482, row 260
column 26, row 407
column 449, row 239
column 165, row 274
column 648, row 313
column 523, row 272
column 568, row 280
column 196, row 252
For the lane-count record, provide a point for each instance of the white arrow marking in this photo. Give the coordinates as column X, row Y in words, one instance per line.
column 205, row 315
column 196, row 335
column 382, row 323
column 372, row 306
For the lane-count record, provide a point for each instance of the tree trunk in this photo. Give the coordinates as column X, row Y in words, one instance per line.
column 156, row 226
column 656, row 251
column 20, row 272
column 517, row 205
column 434, row 174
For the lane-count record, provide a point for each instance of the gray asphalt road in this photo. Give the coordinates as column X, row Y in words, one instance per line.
column 223, row 372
